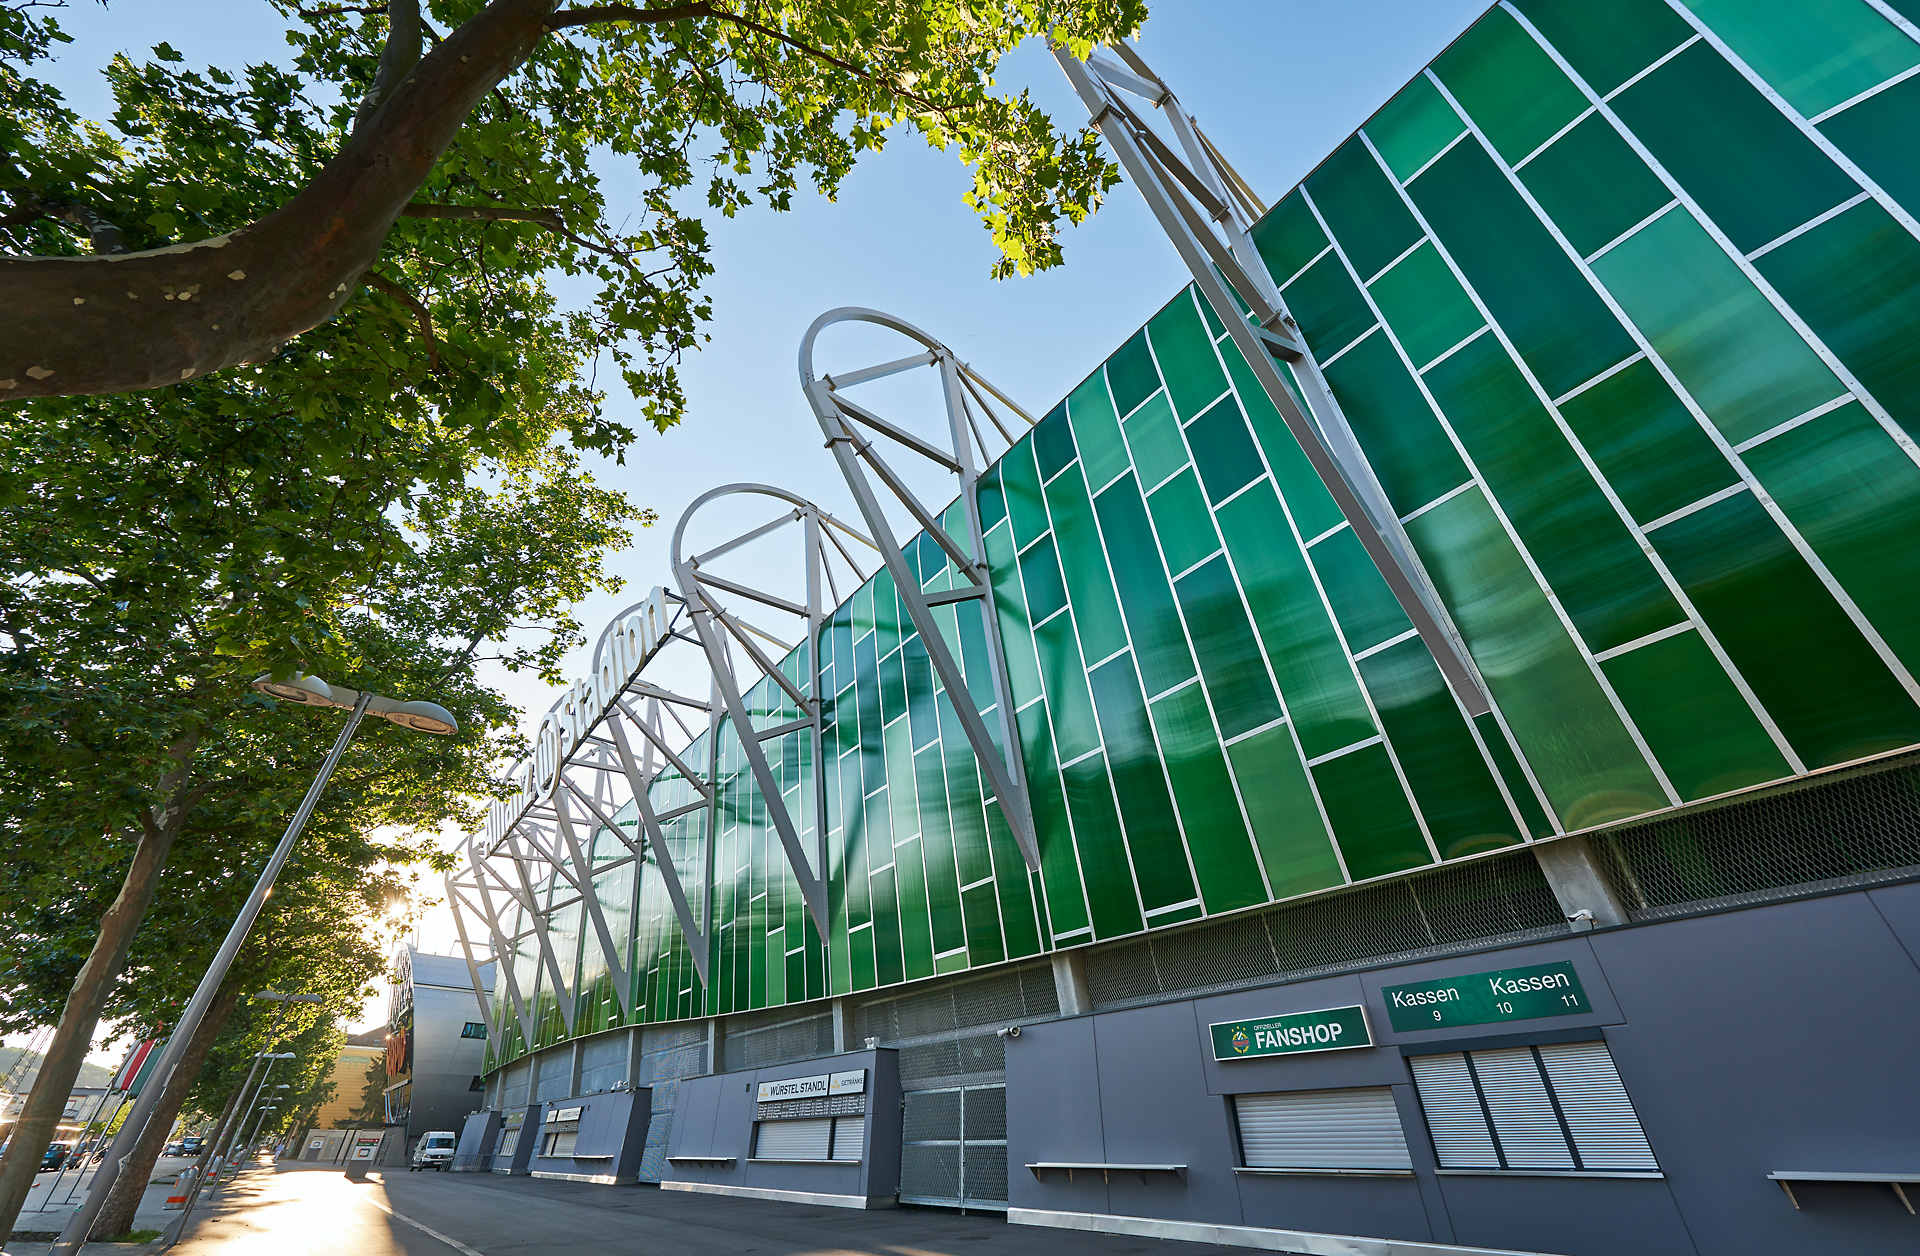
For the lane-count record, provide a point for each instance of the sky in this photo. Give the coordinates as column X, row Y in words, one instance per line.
column 1276, row 84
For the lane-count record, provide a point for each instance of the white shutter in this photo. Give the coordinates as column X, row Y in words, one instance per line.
column 1322, row 1129
column 1605, row 1130
column 509, row 1139
column 849, row 1137
column 794, row 1140
column 1516, row 1095
column 1459, row 1127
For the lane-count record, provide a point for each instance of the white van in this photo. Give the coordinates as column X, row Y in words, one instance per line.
column 434, row 1150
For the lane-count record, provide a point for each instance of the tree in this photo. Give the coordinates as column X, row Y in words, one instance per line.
column 496, row 123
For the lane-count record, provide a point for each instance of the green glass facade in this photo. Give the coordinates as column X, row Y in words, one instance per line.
column 1621, row 299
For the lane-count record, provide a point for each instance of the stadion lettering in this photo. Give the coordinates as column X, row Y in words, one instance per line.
column 586, row 702
column 1482, row 998
column 1329, row 1029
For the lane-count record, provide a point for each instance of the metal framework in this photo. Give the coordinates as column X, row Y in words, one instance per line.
column 1207, row 210
column 849, row 428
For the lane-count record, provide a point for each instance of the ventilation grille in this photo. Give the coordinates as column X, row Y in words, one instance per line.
column 997, row 998
column 514, row 1091
column 1859, row 828
column 555, row 1066
column 603, row 1062
column 1487, row 901
column 776, row 1037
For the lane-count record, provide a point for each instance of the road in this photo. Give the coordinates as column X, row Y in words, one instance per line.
column 317, row 1212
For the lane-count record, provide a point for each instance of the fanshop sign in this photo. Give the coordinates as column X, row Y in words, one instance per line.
column 1329, row 1029
column 1483, row 998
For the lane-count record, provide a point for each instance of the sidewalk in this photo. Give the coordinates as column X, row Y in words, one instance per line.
column 54, row 1197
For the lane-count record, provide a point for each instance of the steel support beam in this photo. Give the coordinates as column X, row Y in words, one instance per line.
column 589, row 899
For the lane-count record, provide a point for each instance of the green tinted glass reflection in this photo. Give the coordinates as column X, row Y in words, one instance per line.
column 1140, row 783
column 1330, row 309
column 1288, row 237
column 1181, row 519
column 1404, row 442
column 1153, row 434
column 1064, row 672
column 1307, row 497
column 1593, row 185
column 1059, row 867
column 1372, row 822
column 1083, row 561
column 1878, row 134
column 1185, row 351
column 1425, row 305
column 1413, row 127
column 1094, row 430
column 1145, row 596
column 1733, row 351
column 1025, row 504
column 1223, row 450
column 1809, row 666
column 1362, row 603
column 1052, row 447
column 1508, row 85
column 1607, row 44
column 1363, row 209
column 1286, row 821
column 1229, row 655
column 1216, row 835
column 1131, row 373
column 1816, row 55
column 1701, row 730
column 1103, row 853
column 1646, row 442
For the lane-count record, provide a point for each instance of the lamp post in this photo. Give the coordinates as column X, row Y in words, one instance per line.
column 257, row 1095
column 426, row 717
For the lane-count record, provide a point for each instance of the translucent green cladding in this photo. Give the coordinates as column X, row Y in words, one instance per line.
column 1638, row 376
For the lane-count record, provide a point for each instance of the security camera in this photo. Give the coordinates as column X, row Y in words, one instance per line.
column 1010, row 1031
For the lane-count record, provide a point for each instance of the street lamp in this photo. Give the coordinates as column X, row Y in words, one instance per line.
column 426, row 717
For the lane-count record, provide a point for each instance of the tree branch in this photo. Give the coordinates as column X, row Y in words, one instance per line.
column 629, row 13
column 407, row 299
column 401, row 54
column 334, row 10
column 485, row 213
column 104, row 235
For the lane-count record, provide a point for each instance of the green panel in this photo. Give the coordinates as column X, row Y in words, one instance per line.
column 1593, row 185
column 1016, row 637
column 910, row 876
column 1153, row 434
column 1743, row 363
column 1026, row 506
column 1223, row 450
column 1815, row 54
column 1102, row 453
column 1362, row 208
column 1508, row 85
column 992, row 498
column 1131, row 373
column 1229, row 655
column 1323, row 698
column 1878, row 135
column 1216, row 835
column 1059, row 866
column 1103, row 856
column 1362, row 604
column 1750, row 169
column 1695, row 722
column 1133, row 757
column 1590, row 560
column 1856, row 281
column 920, row 711
column 1181, row 519
column 1404, row 442
column 1855, row 496
column 1371, row 819
column 1413, row 127
column 1425, row 305
column 1582, row 754
column 1074, row 730
column 972, row 859
column 984, row 944
column 1083, row 561
column 1040, row 572
column 893, row 690
column 1500, row 750
column 1607, row 44
column 1145, row 596
column 1450, row 780
column 1308, row 501
column 1328, row 306
column 888, row 961
column 1804, row 659
column 1052, row 448
column 1186, row 356
column 1288, row 237
column 1286, row 820
column 860, row 948
column 1537, row 295
column 1646, row 442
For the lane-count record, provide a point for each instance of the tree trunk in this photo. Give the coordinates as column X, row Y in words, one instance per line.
column 227, row 1113
column 78, row 1019
column 123, row 1200
column 119, row 322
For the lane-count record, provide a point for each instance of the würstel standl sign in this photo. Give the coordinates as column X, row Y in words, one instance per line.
column 627, row 649
column 1295, row 1033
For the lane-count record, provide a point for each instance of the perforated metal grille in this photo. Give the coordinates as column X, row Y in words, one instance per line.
column 1856, row 828
column 997, row 998
column 555, row 1070
column 603, row 1062
column 667, row 1054
column 1486, row 901
column 514, row 1093
column 929, row 1064
column 779, row 1037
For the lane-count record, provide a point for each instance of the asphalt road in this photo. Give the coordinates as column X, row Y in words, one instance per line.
column 317, row 1212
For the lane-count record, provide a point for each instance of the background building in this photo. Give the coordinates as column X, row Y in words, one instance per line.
column 1620, row 302
column 434, row 1044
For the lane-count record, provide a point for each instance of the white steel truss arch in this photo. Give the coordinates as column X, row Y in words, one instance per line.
column 850, row 428
column 1208, row 211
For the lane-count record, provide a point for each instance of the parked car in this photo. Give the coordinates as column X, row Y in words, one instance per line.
column 56, row 1156
column 434, row 1151
column 192, row 1145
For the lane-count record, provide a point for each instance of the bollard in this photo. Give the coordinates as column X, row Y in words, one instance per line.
column 182, row 1187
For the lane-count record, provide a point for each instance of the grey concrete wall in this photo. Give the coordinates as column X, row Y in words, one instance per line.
column 1780, row 1037
column 612, row 1138
column 715, row 1118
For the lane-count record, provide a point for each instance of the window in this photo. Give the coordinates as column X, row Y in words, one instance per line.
column 562, row 1131
column 1322, row 1129
column 811, row 1138
column 1550, row 1108
column 474, row 1029
column 476, row 1084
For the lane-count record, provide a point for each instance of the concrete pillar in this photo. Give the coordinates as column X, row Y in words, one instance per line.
column 842, row 1025
column 715, row 1035
column 1586, row 897
column 1070, row 983
column 636, row 1054
column 573, row 1066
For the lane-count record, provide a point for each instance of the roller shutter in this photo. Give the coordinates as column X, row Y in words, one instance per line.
column 807, row 1139
column 1553, row 1108
column 849, row 1137
column 1322, row 1129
